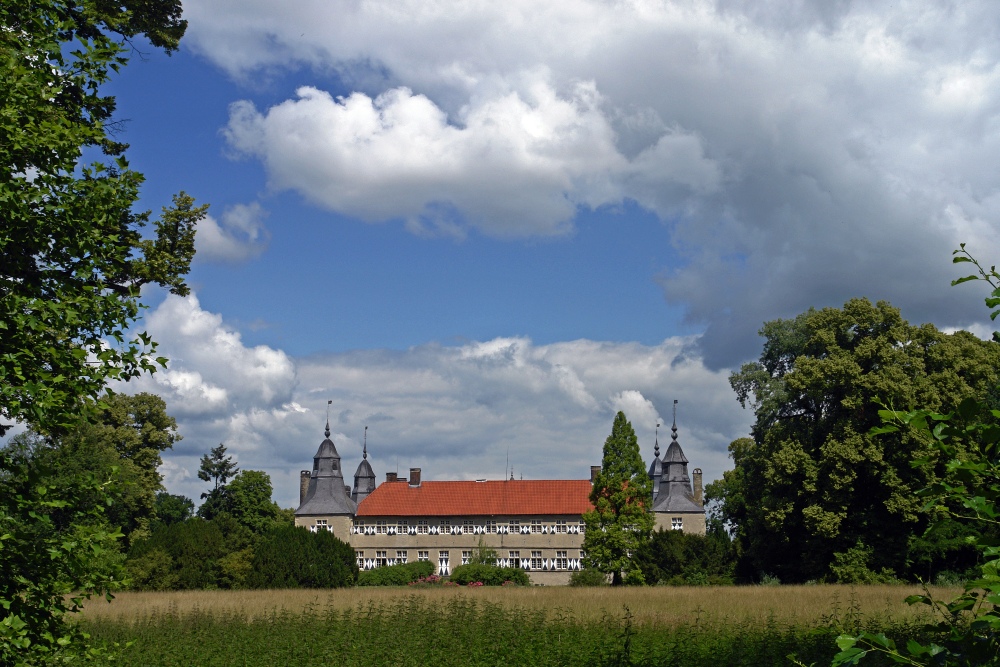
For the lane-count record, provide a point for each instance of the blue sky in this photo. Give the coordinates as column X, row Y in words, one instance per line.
column 482, row 228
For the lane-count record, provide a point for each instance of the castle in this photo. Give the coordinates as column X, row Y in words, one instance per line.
column 533, row 524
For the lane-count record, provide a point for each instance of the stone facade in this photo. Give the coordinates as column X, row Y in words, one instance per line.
column 533, row 524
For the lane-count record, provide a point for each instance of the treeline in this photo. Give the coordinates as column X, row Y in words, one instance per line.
column 817, row 492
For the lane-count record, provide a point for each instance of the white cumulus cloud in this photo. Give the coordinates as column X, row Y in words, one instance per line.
column 458, row 412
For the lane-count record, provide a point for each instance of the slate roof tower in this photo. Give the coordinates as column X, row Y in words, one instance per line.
column 675, row 493
column 326, row 494
column 364, row 477
column 656, row 467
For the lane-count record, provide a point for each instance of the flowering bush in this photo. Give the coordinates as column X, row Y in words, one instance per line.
column 475, row 584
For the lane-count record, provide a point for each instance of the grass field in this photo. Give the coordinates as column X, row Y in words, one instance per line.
column 662, row 606
column 631, row 627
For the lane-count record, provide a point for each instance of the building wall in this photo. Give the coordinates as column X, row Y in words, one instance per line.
column 691, row 522
column 541, row 548
column 340, row 524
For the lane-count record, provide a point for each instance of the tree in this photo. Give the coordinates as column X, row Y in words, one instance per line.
column 620, row 520
column 128, row 434
column 217, row 467
column 966, row 630
column 72, row 258
column 678, row 558
column 812, row 487
column 293, row 557
column 248, row 500
column 171, row 509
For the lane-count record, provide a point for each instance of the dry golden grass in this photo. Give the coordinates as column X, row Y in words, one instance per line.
column 654, row 605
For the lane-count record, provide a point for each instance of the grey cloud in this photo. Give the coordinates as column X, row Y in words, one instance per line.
column 817, row 150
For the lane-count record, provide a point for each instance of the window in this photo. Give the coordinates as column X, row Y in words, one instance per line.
column 423, row 556
column 381, row 527
column 401, row 556
column 422, row 526
column 536, row 560
column 583, row 527
column 360, row 557
column 380, row 558
column 443, row 567
column 445, row 526
column 536, row 525
column 561, row 526
column 466, row 557
column 334, row 464
column 677, row 523
column 402, row 526
column 515, row 526
column 562, row 562
column 321, row 524
column 491, row 526
column 467, row 527
column 514, row 556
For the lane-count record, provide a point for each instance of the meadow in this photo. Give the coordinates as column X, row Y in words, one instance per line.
column 752, row 625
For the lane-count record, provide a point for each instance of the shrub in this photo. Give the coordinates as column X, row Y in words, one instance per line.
column 489, row 575
column 588, row 577
column 291, row 557
column 396, row 575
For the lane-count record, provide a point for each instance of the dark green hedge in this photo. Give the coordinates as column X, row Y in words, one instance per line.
column 396, row 575
column 293, row 557
column 489, row 575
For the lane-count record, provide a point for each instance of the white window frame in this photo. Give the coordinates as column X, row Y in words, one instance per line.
column 561, row 526
column 466, row 557
column 536, row 526
column 536, row 560
column 381, row 558
column 401, row 555
column 423, row 525
column 676, row 523
column 423, row 556
column 562, row 561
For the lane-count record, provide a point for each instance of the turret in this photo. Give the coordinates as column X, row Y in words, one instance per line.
column 364, row 477
column 675, row 494
column 326, row 493
column 656, row 467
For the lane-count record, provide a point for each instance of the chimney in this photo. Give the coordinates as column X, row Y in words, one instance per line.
column 696, row 474
column 414, row 476
column 594, row 472
column 303, row 485
column 390, row 477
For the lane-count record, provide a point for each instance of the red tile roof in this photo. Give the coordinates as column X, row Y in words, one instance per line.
column 511, row 497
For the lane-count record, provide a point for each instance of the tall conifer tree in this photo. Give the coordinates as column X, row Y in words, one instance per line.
column 621, row 496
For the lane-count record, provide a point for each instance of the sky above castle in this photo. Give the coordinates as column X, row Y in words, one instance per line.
column 481, row 228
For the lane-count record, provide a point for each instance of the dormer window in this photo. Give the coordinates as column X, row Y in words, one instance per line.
column 334, row 464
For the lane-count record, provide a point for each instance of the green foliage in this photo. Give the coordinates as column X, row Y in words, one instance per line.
column 54, row 548
column 293, row 557
column 128, row 434
column 458, row 631
column 396, row 575
column 72, row 262
column 216, row 467
column 248, row 500
column 620, row 520
column 683, row 559
column 812, row 480
column 588, row 576
column 966, row 630
column 171, row 509
column 489, row 575
column 852, row 567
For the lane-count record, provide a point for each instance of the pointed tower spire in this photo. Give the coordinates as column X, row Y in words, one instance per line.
column 327, row 431
column 364, row 452
column 656, row 443
column 673, row 429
